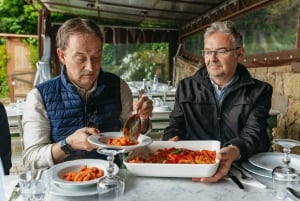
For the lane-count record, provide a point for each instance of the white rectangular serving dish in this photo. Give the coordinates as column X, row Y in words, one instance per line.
column 173, row 170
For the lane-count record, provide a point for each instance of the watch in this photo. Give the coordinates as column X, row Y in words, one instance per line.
column 67, row 149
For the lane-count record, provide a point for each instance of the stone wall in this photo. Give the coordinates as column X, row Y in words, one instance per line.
column 185, row 68
column 286, row 95
column 286, row 99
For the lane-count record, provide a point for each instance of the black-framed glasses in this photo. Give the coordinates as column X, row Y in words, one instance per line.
column 218, row 52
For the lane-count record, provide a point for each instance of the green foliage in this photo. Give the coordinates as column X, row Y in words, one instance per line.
column 135, row 62
column 3, row 72
column 17, row 17
column 139, row 65
column 144, row 62
column 269, row 29
column 33, row 46
column 263, row 29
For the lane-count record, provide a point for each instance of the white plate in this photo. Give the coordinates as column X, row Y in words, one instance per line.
column 256, row 170
column 101, row 141
column 60, row 169
column 83, row 191
column 173, row 170
column 269, row 160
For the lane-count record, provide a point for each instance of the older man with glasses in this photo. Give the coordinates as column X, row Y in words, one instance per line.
column 222, row 102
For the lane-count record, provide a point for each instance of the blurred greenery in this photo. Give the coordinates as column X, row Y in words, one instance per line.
column 269, row 29
column 3, row 71
column 19, row 17
column 135, row 62
column 32, row 44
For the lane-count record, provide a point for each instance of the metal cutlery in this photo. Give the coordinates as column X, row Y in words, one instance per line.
column 244, row 174
column 16, row 193
column 132, row 127
column 246, row 177
column 292, row 195
column 235, row 180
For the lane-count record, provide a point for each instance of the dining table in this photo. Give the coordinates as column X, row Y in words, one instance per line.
column 142, row 188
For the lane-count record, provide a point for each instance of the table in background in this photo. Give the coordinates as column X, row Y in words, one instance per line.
column 165, row 91
column 175, row 189
column 14, row 113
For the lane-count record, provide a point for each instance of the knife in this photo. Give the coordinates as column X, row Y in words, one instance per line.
column 235, row 180
column 247, row 179
column 16, row 192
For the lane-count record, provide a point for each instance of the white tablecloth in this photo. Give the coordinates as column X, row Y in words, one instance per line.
column 175, row 189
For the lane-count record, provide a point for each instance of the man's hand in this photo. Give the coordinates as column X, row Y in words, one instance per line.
column 227, row 156
column 79, row 139
column 143, row 106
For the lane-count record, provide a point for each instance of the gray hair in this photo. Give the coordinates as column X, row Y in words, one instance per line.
column 225, row 27
column 76, row 26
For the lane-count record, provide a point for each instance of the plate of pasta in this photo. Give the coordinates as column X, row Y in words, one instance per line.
column 175, row 159
column 115, row 140
column 80, row 172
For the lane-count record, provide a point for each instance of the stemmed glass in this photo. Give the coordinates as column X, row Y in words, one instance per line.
column 285, row 176
column 35, row 184
column 110, row 187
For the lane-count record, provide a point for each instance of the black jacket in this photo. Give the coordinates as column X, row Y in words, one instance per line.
column 241, row 120
column 5, row 141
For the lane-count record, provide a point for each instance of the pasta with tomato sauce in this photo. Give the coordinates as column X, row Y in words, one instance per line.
column 177, row 156
column 120, row 141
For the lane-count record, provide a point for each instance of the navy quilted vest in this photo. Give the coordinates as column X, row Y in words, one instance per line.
column 67, row 111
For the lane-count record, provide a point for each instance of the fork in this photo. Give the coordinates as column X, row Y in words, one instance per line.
column 244, row 175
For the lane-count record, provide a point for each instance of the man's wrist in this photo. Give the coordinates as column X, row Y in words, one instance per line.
column 239, row 156
column 146, row 126
column 65, row 147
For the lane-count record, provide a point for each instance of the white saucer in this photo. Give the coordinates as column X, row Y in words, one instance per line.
column 101, row 141
column 256, row 170
column 57, row 189
column 269, row 160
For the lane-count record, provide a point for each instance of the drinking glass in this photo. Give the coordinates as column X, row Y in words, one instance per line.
column 34, row 184
column 110, row 187
column 285, row 176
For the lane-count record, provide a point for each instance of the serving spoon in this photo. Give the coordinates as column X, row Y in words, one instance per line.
column 132, row 127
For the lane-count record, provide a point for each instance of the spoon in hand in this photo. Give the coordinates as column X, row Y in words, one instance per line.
column 132, row 127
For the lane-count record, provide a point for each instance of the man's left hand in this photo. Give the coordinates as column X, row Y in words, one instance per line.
column 227, row 156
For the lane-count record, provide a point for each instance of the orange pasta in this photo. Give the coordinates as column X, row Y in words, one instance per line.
column 120, row 141
column 84, row 174
column 178, row 156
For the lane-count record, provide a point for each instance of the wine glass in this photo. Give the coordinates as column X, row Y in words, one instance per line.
column 110, row 187
column 285, row 176
column 35, row 184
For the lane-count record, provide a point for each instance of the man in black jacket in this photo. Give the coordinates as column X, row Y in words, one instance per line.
column 222, row 102
column 5, row 140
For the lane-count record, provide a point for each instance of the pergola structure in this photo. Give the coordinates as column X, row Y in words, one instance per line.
column 170, row 21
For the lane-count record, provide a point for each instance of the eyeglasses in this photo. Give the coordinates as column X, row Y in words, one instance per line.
column 218, row 52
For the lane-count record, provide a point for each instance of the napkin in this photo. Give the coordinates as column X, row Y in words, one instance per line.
column 251, row 181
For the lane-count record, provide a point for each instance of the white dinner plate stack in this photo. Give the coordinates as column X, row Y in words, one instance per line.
column 262, row 164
